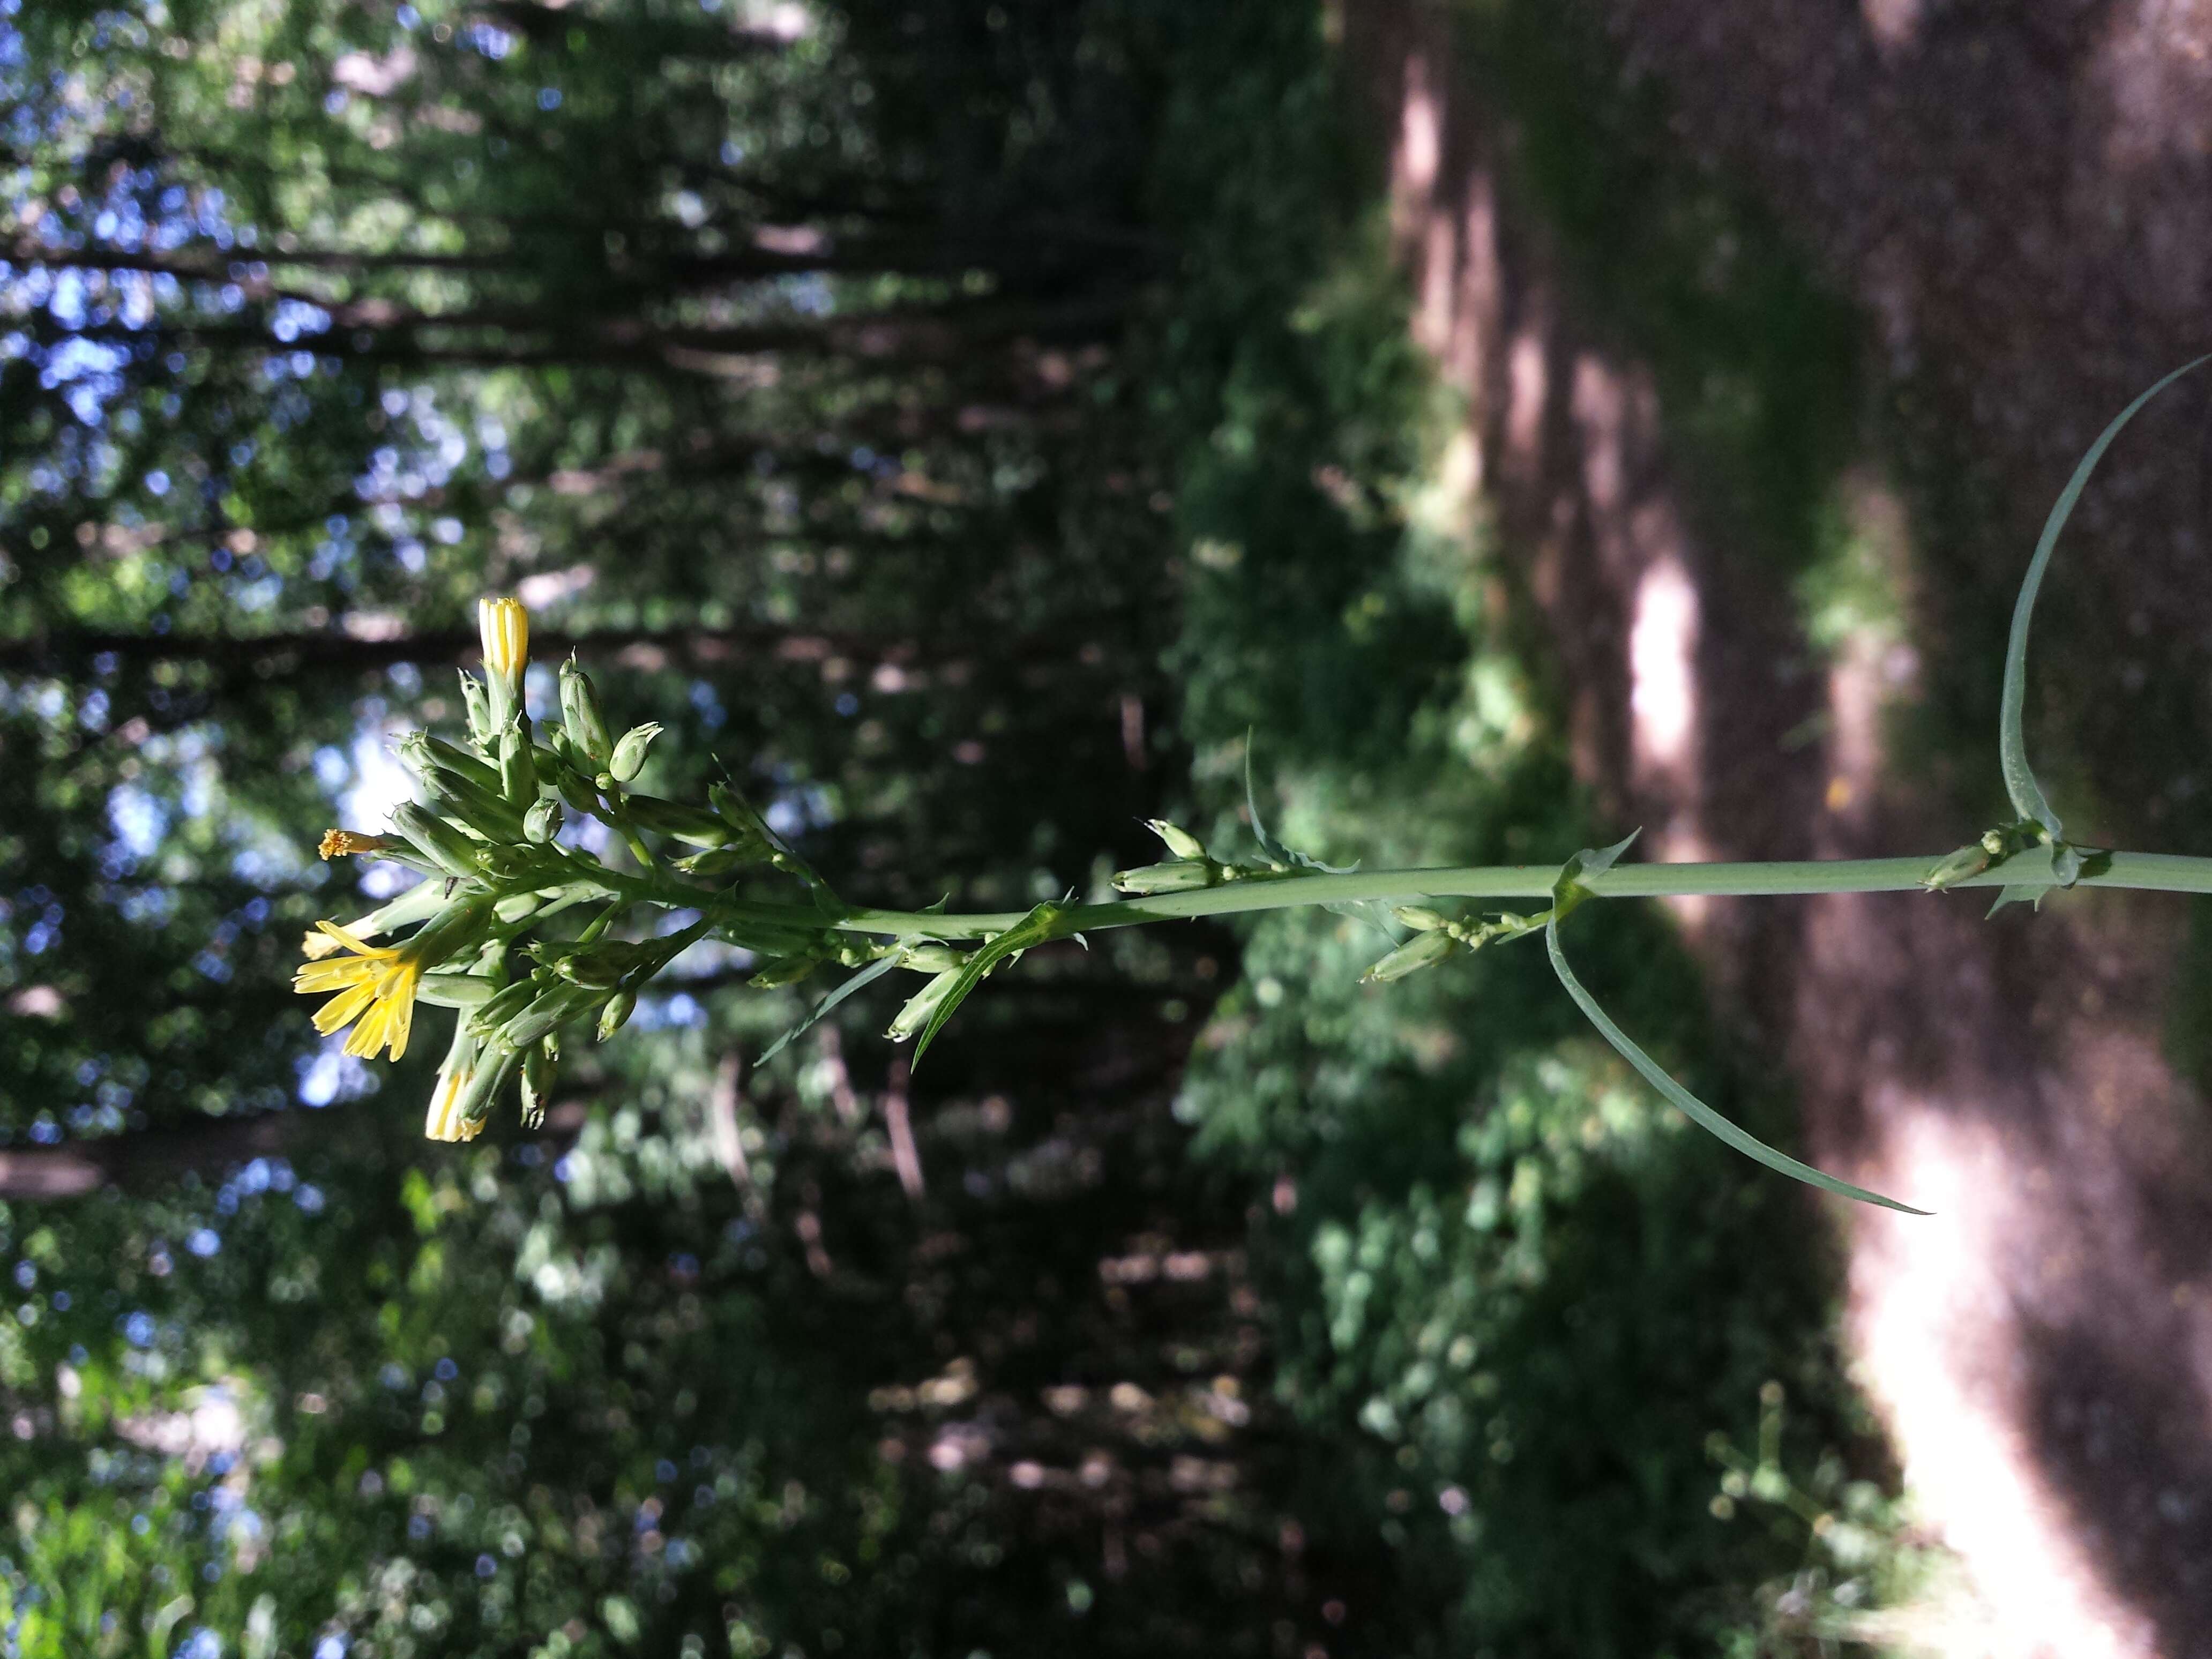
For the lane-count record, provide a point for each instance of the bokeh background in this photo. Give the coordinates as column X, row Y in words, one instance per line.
column 979, row 427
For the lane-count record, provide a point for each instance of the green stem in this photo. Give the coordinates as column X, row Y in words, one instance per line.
column 2147, row 871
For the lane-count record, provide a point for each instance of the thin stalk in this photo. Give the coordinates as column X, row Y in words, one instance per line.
column 2156, row 873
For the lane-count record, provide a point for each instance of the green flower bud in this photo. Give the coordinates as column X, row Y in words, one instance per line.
column 580, row 713
column 494, row 1066
column 598, row 967
column 523, row 866
column 576, row 790
column 686, row 824
column 449, row 849
column 537, row 1069
column 1179, row 877
column 503, row 1005
column 933, row 959
column 1180, row 841
column 515, row 906
column 921, row 1005
column 786, row 971
column 617, row 1013
column 552, row 1008
column 454, row 990
column 485, row 810
column 1969, row 860
column 459, row 927
column 738, row 811
column 478, row 701
column 421, row 752
column 720, row 860
column 1419, row 918
column 518, row 772
column 629, row 754
column 1422, row 951
column 542, row 821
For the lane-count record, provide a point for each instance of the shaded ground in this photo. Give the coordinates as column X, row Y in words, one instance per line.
column 2018, row 204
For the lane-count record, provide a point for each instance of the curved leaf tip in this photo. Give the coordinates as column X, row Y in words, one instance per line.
column 1688, row 1104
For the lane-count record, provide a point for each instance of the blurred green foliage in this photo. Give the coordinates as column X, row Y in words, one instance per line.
column 970, row 423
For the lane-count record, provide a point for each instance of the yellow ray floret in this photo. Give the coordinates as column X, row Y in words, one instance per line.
column 374, row 985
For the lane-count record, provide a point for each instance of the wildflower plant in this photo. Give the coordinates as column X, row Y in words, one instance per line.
column 491, row 930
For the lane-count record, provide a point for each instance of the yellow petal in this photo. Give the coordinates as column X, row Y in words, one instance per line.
column 358, row 946
column 401, row 1020
column 337, row 975
column 340, row 1010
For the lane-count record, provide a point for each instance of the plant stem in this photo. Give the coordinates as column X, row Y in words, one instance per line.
column 2146, row 871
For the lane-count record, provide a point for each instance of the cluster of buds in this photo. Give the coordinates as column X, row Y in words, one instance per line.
column 488, row 836
column 1189, row 867
column 1437, row 936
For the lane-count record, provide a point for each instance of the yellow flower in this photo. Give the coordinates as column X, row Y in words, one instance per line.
column 445, row 1122
column 338, row 843
column 505, row 626
column 374, row 984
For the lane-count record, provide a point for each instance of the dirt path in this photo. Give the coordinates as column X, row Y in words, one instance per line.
column 2023, row 205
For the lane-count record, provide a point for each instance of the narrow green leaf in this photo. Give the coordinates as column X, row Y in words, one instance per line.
column 2028, row 797
column 1041, row 925
column 1688, row 1104
column 867, row 975
column 1268, row 845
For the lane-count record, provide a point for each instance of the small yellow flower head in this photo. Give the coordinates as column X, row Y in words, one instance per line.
column 374, row 985
column 444, row 1121
column 505, row 626
column 338, row 843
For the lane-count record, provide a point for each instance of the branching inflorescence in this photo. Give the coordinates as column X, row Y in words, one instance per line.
column 481, row 934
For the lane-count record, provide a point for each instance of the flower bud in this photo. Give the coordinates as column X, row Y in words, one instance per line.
column 1180, row 841
column 468, row 991
column 599, row 967
column 617, row 1013
column 518, row 772
column 1419, row 918
column 686, row 824
column 629, row 758
column 515, row 906
column 504, row 1004
column 785, row 970
column 736, row 811
column 447, row 847
column 1176, row 877
column 542, row 821
column 504, row 627
column 519, row 865
column 537, row 1069
column 921, row 1005
column 459, row 927
column 1422, row 951
column 580, row 713
column 421, row 751
column 551, row 1008
column 457, row 1076
column 719, row 860
column 478, row 705
column 494, row 1066
column 933, row 959
column 487, row 813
